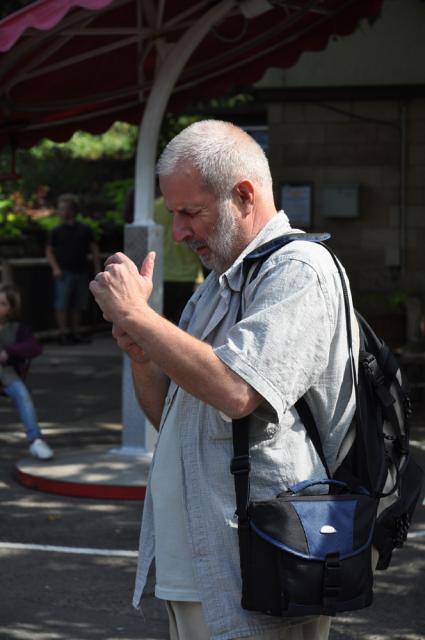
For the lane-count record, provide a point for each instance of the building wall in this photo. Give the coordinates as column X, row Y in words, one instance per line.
column 390, row 51
column 359, row 142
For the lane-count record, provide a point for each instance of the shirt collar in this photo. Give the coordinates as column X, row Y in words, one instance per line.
column 278, row 225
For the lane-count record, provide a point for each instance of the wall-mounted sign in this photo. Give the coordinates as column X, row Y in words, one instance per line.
column 341, row 201
column 296, row 199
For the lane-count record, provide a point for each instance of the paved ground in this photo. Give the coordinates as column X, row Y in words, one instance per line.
column 58, row 595
column 48, row 595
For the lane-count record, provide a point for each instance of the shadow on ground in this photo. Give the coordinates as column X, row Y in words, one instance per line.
column 48, row 595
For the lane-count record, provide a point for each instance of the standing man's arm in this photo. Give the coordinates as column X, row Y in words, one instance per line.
column 94, row 248
column 51, row 259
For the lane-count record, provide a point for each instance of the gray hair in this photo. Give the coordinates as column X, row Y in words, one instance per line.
column 221, row 152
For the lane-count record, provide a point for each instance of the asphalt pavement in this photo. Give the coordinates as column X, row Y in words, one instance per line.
column 68, row 563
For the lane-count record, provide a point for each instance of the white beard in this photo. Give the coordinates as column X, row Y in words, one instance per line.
column 222, row 242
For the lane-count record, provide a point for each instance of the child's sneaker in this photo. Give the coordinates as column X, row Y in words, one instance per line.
column 41, row 450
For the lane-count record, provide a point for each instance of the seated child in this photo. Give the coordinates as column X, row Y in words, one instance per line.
column 17, row 347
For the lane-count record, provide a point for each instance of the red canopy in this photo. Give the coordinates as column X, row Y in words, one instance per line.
column 82, row 64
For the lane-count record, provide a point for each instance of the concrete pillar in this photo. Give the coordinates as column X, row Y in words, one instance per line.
column 6, row 272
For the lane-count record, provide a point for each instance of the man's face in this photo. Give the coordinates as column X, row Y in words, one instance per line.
column 66, row 211
column 208, row 227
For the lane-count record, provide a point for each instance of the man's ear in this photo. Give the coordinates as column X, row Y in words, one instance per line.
column 245, row 195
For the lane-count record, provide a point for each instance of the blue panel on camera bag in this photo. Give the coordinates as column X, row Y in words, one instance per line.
column 328, row 525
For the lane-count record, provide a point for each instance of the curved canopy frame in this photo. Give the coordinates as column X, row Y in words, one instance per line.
column 69, row 64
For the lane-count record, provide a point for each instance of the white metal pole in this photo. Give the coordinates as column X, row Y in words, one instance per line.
column 138, row 435
column 166, row 78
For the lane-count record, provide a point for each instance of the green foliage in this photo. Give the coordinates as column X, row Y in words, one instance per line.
column 6, row 205
column 229, row 101
column 98, row 169
column 116, row 192
column 48, row 222
column 12, row 226
column 20, row 224
column 80, row 166
column 95, row 225
column 15, row 225
column 114, row 218
column 64, row 174
column 171, row 126
column 118, row 142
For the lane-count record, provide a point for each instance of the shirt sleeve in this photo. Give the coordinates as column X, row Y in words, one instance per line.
column 25, row 345
column 281, row 345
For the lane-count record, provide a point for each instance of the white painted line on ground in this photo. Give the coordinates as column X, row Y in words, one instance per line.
column 417, row 444
column 117, row 553
column 416, row 534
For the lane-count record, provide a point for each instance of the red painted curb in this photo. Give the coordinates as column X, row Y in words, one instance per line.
column 80, row 490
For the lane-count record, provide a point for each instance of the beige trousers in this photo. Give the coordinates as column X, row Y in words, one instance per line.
column 187, row 623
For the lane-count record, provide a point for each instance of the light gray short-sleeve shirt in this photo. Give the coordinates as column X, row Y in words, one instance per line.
column 290, row 342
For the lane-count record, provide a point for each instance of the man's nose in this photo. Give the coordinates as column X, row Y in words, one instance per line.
column 181, row 228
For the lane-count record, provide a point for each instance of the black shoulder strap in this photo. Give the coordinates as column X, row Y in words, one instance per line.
column 264, row 251
column 240, row 464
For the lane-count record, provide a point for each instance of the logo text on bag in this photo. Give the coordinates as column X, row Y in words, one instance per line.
column 327, row 528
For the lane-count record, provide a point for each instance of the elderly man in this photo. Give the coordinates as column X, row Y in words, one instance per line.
column 193, row 379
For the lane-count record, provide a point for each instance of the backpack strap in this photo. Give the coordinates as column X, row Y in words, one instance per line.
column 240, row 465
column 309, row 423
column 260, row 254
column 347, row 322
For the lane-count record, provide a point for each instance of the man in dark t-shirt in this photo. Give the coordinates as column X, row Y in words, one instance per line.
column 68, row 247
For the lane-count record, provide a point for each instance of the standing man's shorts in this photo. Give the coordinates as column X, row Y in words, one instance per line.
column 71, row 291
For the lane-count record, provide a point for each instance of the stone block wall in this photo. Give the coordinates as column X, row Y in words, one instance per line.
column 359, row 142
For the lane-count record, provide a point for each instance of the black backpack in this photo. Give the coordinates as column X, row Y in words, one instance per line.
column 379, row 458
column 380, row 455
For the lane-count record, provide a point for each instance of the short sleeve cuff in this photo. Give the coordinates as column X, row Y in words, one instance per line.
column 254, row 378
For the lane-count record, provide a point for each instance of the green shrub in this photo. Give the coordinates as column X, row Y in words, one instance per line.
column 95, row 225
column 13, row 225
column 116, row 192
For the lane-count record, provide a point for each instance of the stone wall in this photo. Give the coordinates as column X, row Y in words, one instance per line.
column 359, row 142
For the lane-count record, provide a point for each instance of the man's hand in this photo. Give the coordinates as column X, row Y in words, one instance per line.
column 3, row 357
column 57, row 273
column 121, row 290
column 128, row 345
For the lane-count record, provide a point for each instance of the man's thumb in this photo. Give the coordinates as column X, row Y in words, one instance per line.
column 146, row 270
